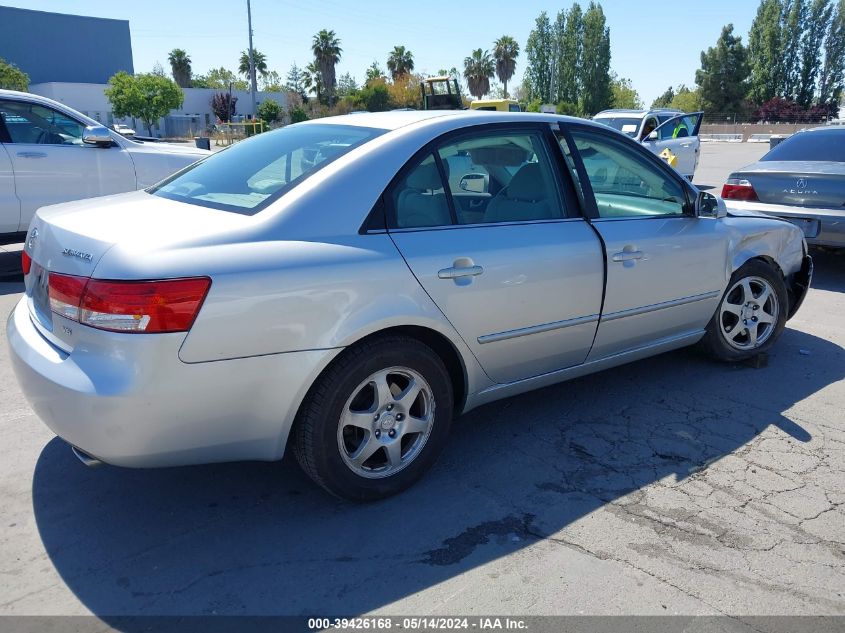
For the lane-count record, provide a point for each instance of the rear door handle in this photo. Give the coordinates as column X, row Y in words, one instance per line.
column 32, row 154
column 455, row 272
column 626, row 256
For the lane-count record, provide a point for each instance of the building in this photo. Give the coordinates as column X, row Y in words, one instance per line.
column 67, row 48
column 75, row 70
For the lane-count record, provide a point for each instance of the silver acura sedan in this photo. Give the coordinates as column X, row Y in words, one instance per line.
column 347, row 286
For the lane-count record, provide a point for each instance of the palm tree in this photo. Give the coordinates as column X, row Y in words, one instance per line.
column 400, row 62
column 312, row 80
column 260, row 60
column 505, row 52
column 180, row 65
column 478, row 69
column 327, row 51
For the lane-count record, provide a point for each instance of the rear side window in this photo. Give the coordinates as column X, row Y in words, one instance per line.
column 250, row 175
column 481, row 178
column 827, row 145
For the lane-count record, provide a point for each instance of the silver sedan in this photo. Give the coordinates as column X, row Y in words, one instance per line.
column 801, row 180
column 347, row 286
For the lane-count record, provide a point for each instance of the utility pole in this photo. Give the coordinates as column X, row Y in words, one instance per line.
column 251, row 58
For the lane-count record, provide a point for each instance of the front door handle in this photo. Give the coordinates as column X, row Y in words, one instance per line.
column 627, row 256
column 32, row 154
column 456, row 272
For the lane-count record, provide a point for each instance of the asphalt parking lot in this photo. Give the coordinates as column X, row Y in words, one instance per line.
column 674, row 485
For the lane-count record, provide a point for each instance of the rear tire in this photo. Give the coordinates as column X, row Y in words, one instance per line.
column 751, row 314
column 376, row 420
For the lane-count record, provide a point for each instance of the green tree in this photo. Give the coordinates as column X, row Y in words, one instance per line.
column 219, row 79
column 686, row 100
column 295, row 81
column 596, row 94
column 724, row 72
column 272, row 82
column 833, row 72
column 373, row 73
column 624, row 95
column 346, row 85
column 312, row 80
column 375, row 97
column 505, row 52
column 260, row 61
column 571, row 49
column 479, row 68
column 269, row 110
column 180, row 66
column 326, row 48
column 811, row 50
column 794, row 21
column 539, row 51
column 400, row 62
column 146, row 96
column 12, row 77
column 765, row 51
column 665, row 99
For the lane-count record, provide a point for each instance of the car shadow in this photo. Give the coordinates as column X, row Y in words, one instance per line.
column 828, row 269
column 10, row 272
column 260, row 538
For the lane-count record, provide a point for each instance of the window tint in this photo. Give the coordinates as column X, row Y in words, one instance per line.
column 250, row 175
column 419, row 199
column 627, row 125
column 33, row 123
column 501, row 177
column 626, row 184
column 826, row 145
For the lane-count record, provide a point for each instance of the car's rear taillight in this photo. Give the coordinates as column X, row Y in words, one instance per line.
column 739, row 189
column 26, row 263
column 168, row 305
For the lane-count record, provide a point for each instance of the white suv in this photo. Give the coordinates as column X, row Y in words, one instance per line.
column 660, row 129
column 50, row 153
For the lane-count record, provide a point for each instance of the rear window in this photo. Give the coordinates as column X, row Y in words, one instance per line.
column 828, row 145
column 250, row 175
column 628, row 125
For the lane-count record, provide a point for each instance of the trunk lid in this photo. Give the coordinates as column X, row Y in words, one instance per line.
column 72, row 238
column 804, row 184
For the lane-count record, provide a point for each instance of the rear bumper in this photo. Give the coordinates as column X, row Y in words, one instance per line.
column 821, row 227
column 130, row 401
column 799, row 284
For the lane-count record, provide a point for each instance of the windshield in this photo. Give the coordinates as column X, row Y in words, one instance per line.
column 628, row 125
column 250, row 175
column 827, row 145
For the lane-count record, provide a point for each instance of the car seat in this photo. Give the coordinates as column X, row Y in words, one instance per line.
column 423, row 202
column 526, row 197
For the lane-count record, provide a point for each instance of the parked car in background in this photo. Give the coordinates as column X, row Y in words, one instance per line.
column 50, row 153
column 321, row 286
column 802, row 180
column 660, row 130
column 123, row 130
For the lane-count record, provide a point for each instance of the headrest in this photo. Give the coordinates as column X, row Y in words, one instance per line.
column 425, row 176
column 527, row 183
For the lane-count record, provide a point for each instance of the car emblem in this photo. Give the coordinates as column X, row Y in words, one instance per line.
column 69, row 252
column 32, row 237
column 801, row 184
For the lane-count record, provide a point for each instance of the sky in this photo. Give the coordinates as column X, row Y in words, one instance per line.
column 654, row 43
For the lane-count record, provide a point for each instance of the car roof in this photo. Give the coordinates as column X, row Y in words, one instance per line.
column 394, row 120
column 637, row 113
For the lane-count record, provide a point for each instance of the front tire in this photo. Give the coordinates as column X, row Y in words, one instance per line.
column 751, row 315
column 376, row 420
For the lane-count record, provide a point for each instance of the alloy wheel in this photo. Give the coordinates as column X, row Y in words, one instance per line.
column 749, row 313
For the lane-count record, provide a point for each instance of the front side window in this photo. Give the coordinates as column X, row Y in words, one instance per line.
column 678, row 127
column 626, row 184
column 250, row 175
column 32, row 123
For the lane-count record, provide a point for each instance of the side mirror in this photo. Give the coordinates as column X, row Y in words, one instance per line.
column 709, row 206
column 474, row 183
column 96, row 135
